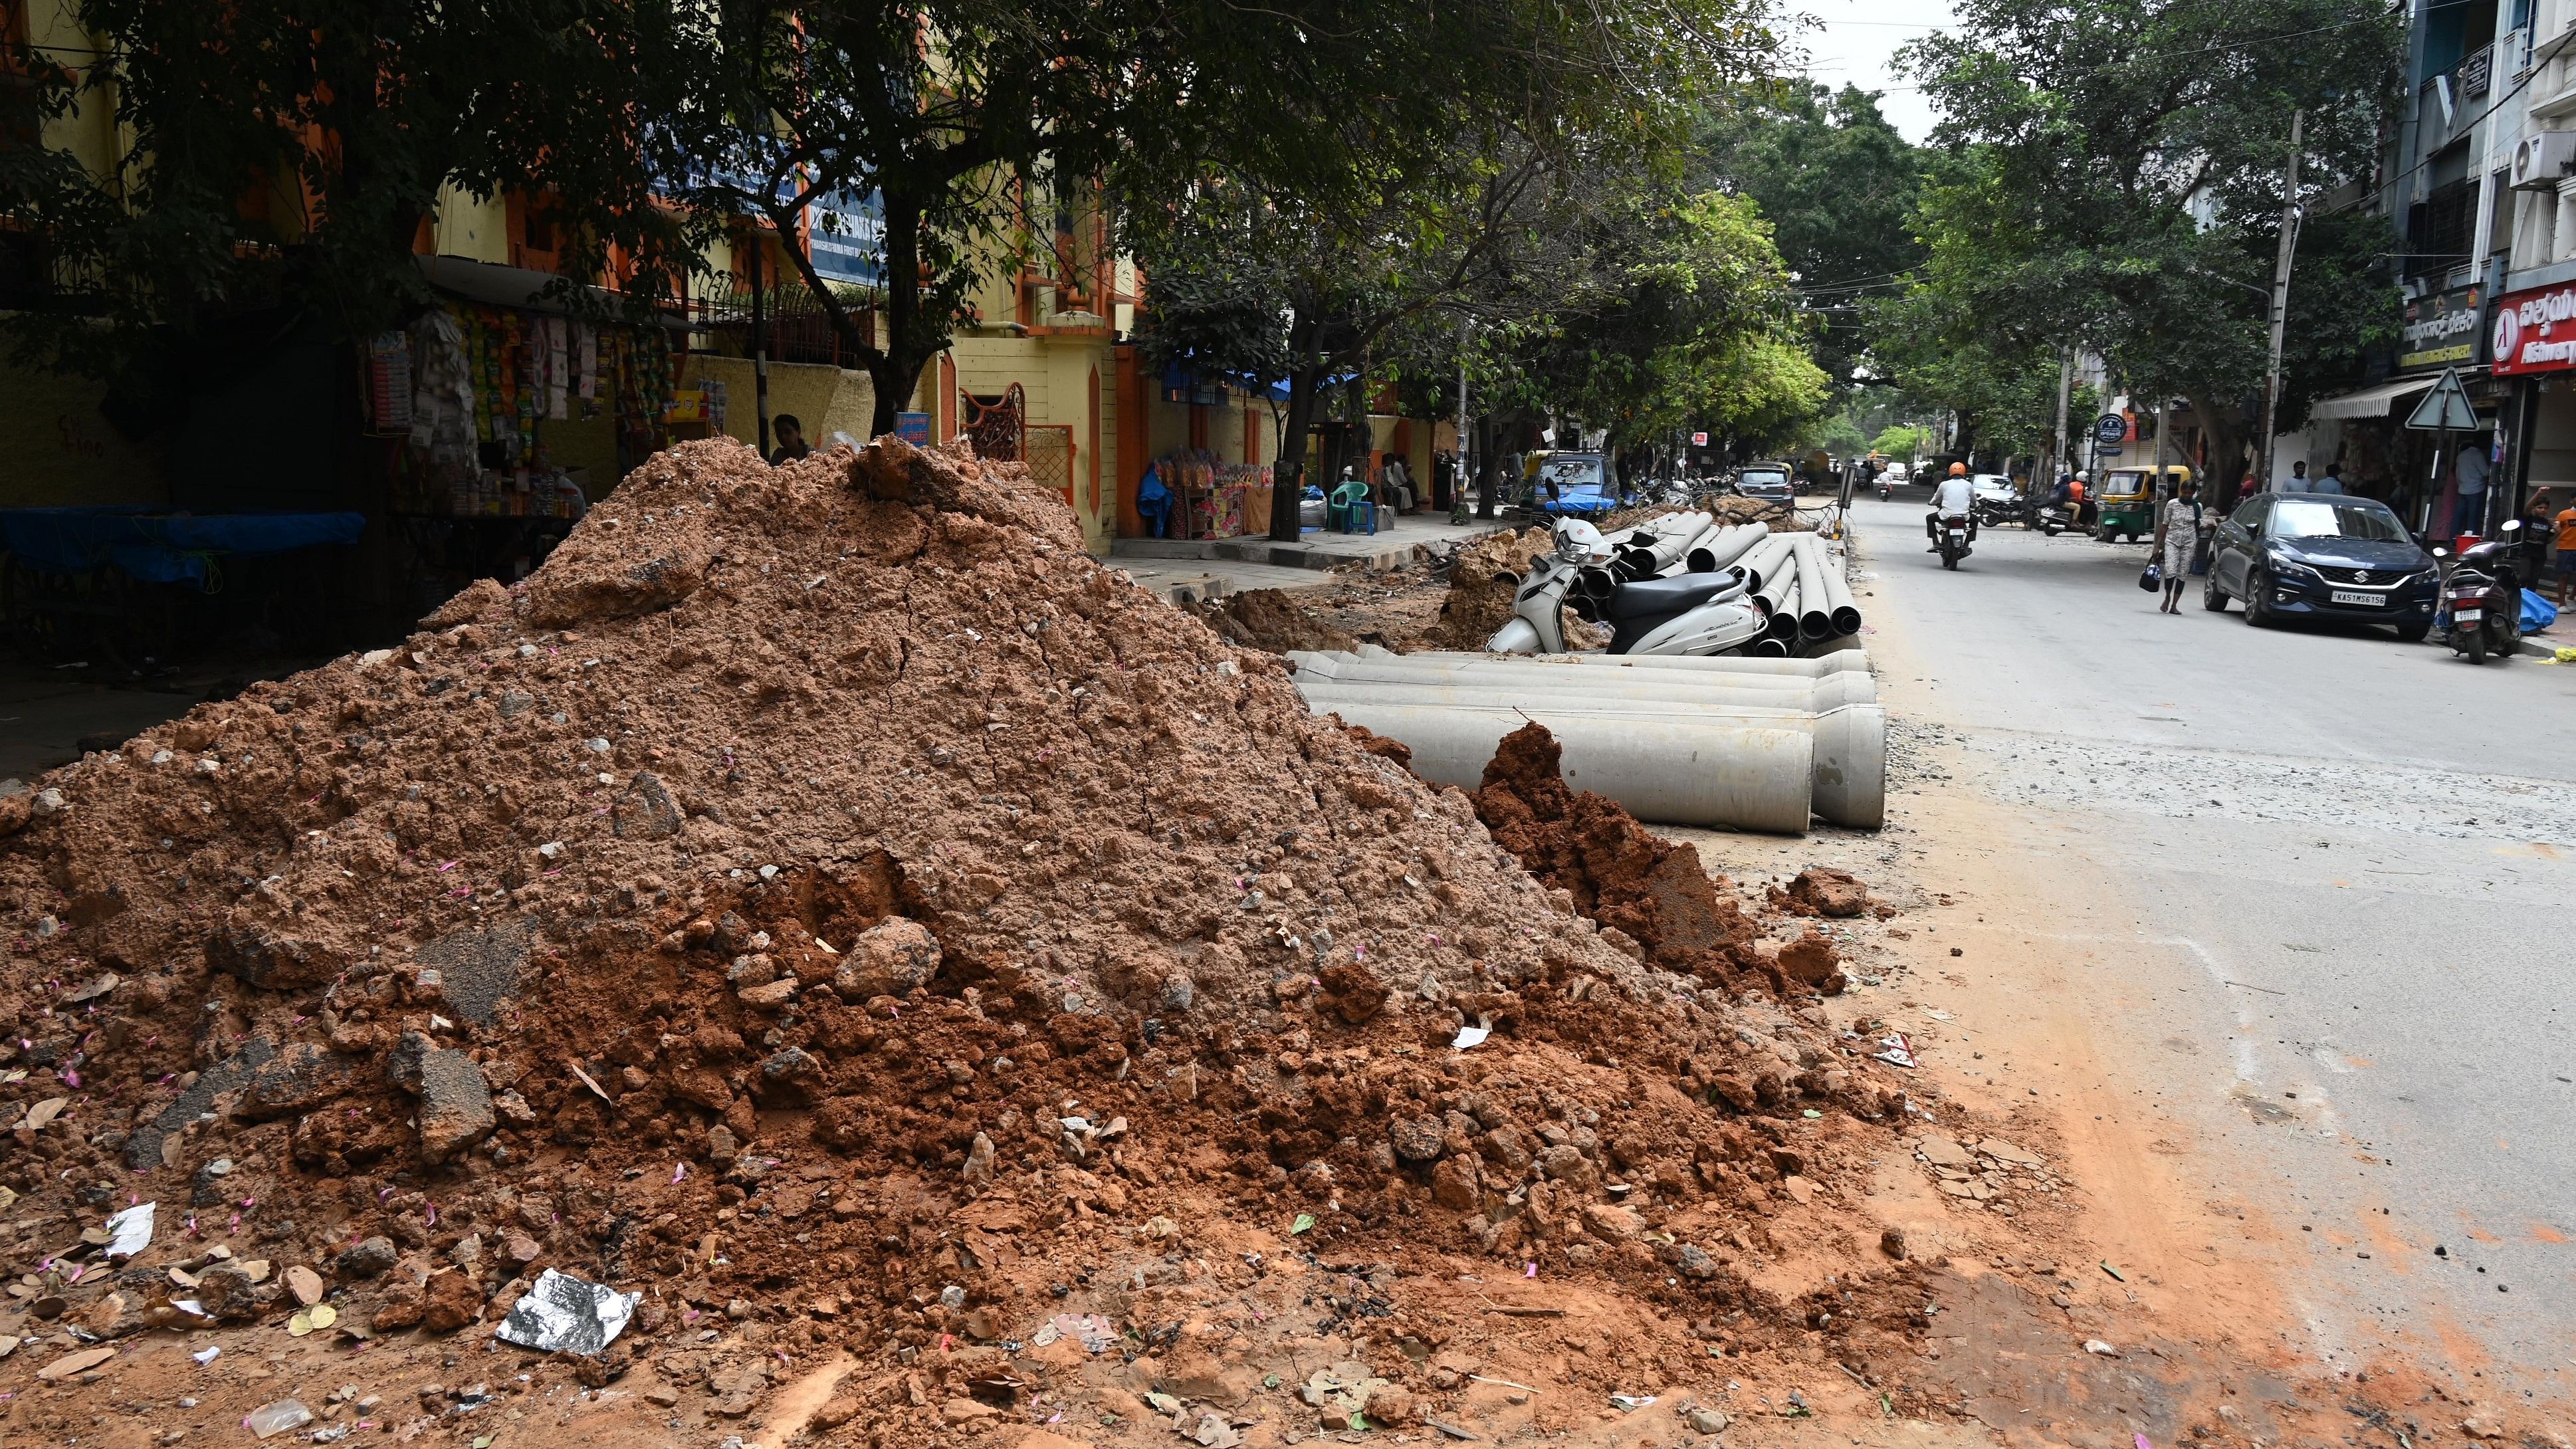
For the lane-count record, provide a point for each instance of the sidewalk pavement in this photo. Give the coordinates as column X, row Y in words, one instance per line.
column 1201, row 569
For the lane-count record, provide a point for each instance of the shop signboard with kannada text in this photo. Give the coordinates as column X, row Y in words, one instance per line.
column 2441, row 330
column 2534, row 331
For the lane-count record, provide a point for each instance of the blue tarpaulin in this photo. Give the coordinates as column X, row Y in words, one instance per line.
column 158, row 547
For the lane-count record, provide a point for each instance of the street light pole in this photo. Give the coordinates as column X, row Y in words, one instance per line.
column 2280, row 304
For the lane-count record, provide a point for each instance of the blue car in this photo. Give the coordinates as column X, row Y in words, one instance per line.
column 2322, row 556
column 1576, row 485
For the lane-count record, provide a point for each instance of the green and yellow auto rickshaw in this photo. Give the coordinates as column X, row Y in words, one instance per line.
column 2127, row 499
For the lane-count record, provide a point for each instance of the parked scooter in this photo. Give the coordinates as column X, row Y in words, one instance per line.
column 1952, row 536
column 2482, row 597
column 1703, row 613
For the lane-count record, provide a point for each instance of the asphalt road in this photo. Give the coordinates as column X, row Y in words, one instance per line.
column 2345, row 875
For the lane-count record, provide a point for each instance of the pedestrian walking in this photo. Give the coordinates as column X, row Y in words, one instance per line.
column 2333, row 481
column 2298, row 481
column 2177, row 535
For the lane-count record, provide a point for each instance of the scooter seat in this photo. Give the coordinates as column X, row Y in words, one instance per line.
column 1667, row 596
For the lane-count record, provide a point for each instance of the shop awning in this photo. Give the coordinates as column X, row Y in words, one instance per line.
column 2371, row 402
column 517, row 287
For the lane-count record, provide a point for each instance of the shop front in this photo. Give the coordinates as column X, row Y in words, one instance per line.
column 2534, row 342
column 502, row 415
column 2362, row 437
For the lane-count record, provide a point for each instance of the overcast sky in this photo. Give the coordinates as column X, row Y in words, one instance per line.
column 1856, row 42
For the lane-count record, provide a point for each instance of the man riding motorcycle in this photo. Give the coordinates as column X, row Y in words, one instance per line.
column 1954, row 498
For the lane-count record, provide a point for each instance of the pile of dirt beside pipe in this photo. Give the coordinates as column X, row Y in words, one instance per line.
column 810, row 889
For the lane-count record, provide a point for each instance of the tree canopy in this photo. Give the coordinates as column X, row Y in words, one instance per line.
column 221, row 205
column 2114, row 181
column 1838, row 184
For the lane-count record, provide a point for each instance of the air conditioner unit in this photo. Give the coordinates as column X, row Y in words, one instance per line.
column 2541, row 159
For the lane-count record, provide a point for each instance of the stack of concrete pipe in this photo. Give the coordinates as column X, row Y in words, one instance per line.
column 1751, row 744
column 1803, row 589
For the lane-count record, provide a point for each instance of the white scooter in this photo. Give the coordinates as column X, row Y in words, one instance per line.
column 1706, row 613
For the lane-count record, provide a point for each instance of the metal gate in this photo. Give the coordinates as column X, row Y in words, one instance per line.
column 1049, row 454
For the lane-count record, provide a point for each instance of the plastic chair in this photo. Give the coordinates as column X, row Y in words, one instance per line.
column 1349, row 505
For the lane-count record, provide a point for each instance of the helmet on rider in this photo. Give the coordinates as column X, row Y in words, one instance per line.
column 1579, row 542
column 1958, row 470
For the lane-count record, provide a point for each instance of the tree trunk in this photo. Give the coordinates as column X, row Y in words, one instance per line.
column 2226, row 451
column 1288, row 473
column 894, row 366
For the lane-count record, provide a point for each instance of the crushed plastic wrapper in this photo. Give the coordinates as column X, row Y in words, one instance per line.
column 1471, row 1036
column 564, row 1314
column 277, row 1418
column 130, row 1231
column 1896, row 1050
column 1092, row 1331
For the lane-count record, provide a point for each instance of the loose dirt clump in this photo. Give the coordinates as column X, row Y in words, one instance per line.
column 1821, row 890
column 1653, row 893
column 826, row 902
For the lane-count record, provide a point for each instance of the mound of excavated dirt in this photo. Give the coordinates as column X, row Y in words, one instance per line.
column 825, row 901
column 1272, row 619
column 1482, row 578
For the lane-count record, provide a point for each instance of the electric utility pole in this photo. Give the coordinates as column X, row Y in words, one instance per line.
column 2057, row 439
column 2280, row 305
column 1458, row 471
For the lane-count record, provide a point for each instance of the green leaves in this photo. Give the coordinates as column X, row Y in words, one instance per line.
column 2112, row 180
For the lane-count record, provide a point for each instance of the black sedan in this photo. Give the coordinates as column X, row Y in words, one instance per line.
column 2322, row 556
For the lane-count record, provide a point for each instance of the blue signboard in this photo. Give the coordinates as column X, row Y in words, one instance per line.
column 846, row 237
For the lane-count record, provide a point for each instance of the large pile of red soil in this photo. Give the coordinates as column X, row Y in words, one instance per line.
column 822, row 898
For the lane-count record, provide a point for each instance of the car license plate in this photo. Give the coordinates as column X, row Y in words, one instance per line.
column 2347, row 596
column 2469, row 616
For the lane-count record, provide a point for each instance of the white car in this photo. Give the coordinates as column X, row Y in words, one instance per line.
column 1990, row 488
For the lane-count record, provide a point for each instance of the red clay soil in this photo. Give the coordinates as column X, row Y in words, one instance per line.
column 1654, row 893
column 825, row 900
column 1274, row 619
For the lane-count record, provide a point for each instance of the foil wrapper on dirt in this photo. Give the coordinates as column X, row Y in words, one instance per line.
column 563, row 1314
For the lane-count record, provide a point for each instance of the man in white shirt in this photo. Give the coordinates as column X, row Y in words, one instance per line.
column 2471, row 469
column 2333, row 481
column 1954, row 495
column 2298, row 481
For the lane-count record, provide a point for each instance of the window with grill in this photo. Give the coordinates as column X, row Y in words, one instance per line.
column 2438, row 228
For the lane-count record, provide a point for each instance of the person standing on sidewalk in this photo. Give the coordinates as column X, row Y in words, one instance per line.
column 2566, row 559
column 2177, row 534
column 2470, row 513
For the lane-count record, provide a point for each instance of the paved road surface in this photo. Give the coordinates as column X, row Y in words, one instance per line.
column 2376, row 839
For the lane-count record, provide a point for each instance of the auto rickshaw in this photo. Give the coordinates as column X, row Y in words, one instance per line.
column 2127, row 500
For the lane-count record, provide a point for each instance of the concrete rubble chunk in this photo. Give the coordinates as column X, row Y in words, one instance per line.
column 455, row 1104
column 479, row 969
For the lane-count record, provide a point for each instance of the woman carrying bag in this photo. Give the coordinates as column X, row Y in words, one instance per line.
column 2177, row 533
